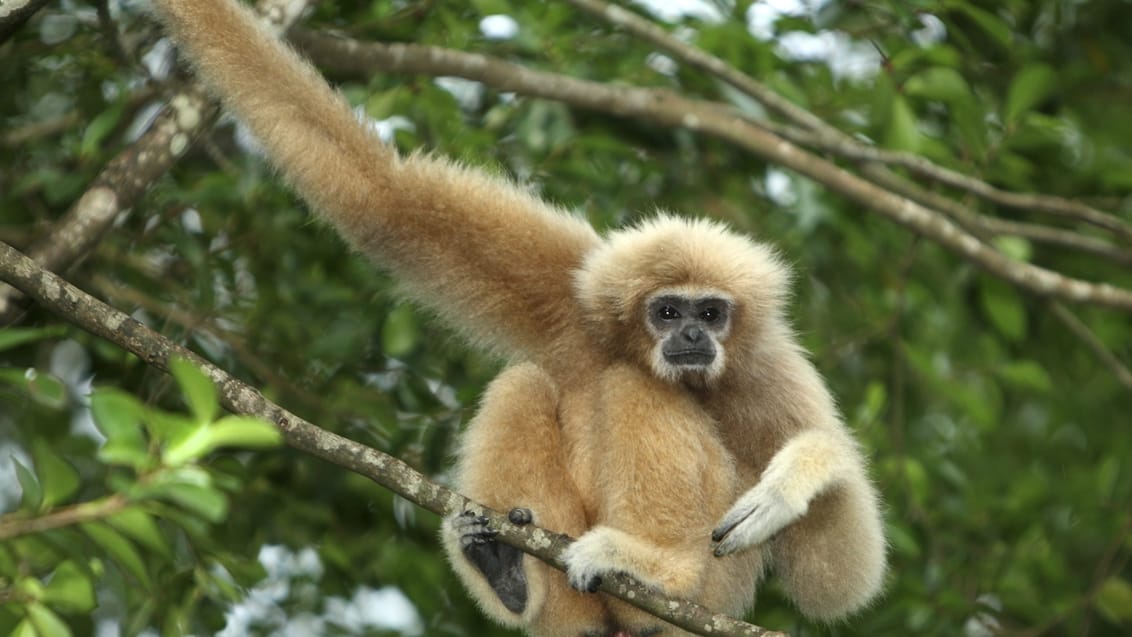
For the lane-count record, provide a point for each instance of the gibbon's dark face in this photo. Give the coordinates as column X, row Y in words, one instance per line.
column 689, row 332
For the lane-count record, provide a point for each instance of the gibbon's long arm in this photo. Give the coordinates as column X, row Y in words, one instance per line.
column 488, row 257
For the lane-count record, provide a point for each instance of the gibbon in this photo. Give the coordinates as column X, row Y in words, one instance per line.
column 656, row 404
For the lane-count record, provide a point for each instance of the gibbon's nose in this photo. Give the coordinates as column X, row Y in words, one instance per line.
column 693, row 334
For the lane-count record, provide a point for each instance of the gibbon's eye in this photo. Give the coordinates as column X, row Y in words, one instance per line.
column 710, row 315
column 667, row 313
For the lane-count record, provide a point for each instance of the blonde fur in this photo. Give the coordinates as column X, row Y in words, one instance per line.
column 585, row 427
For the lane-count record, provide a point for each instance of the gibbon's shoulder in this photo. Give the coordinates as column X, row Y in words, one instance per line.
column 667, row 251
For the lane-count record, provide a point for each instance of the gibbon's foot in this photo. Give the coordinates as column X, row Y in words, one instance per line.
column 500, row 564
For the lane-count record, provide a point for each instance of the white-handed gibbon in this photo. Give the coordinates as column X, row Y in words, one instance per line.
column 657, row 405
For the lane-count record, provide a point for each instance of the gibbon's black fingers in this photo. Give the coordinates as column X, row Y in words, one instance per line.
column 764, row 519
column 727, row 525
column 520, row 516
column 590, row 585
column 595, row 584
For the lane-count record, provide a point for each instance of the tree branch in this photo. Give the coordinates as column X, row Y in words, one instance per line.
column 669, row 109
column 14, row 13
column 14, row 525
column 829, row 138
column 57, row 295
column 1099, row 349
column 121, row 184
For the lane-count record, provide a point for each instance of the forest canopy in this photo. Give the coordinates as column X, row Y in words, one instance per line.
column 950, row 181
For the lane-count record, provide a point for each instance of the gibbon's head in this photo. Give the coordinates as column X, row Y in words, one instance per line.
column 687, row 298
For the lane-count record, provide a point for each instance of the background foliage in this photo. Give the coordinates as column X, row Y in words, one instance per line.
column 999, row 440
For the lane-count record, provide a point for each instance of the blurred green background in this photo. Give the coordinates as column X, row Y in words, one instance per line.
column 999, row 440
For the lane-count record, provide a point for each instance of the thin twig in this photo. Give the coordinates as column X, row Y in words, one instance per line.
column 1057, row 237
column 1099, row 349
column 13, row 525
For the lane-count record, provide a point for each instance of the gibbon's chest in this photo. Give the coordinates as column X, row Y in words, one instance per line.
column 747, row 433
column 581, row 417
column 577, row 417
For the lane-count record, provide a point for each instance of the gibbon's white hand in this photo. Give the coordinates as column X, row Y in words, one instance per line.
column 754, row 519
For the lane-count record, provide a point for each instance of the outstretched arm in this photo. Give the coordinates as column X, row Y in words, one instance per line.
column 491, row 259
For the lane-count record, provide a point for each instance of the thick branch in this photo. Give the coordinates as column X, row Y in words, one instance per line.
column 666, row 108
column 87, row 312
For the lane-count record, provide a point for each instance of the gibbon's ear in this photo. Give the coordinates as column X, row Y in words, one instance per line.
column 670, row 252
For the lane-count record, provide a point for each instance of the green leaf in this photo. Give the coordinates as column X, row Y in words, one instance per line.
column 1016, row 248
column 938, row 83
column 102, row 125
column 118, row 548
column 903, row 542
column 59, row 479
column 246, row 432
column 184, row 475
column 383, row 104
column 198, row 389
column 46, row 389
column 188, row 448
column 916, row 480
column 46, row 622
column 994, row 26
column 11, row 337
column 240, row 431
column 1026, row 374
column 168, row 427
column 1114, row 600
column 70, row 589
column 903, row 132
column 400, row 333
column 141, row 528
column 32, row 498
column 490, row 7
column 875, row 399
column 206, row 502
column 1004, row 308
column 24, row 629
column 119, row 417
column 1029, row 88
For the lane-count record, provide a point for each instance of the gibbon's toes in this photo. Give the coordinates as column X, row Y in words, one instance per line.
column 520, row 516
column 500, row 564
column 472, row 529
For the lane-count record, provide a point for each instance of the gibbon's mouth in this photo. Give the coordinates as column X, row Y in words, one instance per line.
column 690, row 358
